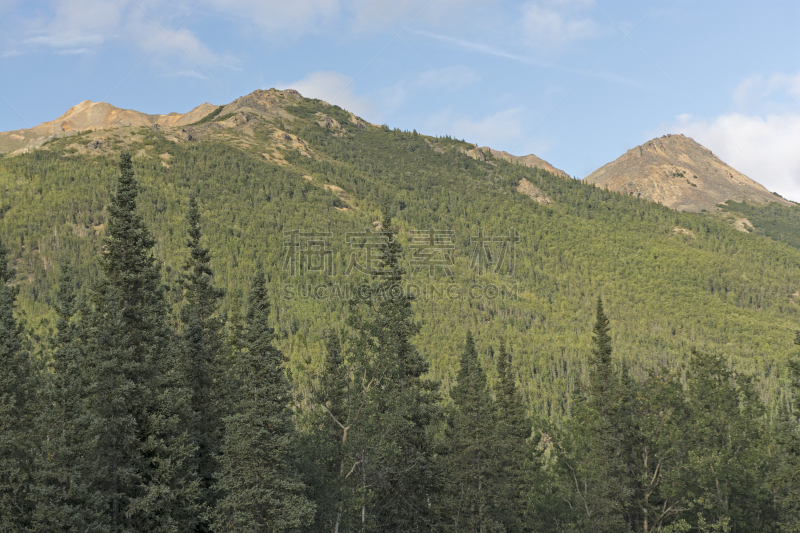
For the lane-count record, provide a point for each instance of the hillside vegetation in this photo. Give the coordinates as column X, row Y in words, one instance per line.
column 671, row 281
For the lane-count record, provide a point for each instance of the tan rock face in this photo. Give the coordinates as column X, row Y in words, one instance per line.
column 526, row 160
column 535, row 193
column 679, row 173
column 94, row 116
column 264, row 102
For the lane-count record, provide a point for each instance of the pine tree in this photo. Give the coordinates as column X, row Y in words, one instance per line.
column 142, row 464
column 474, row 469
column 516, row 454
column 258, row 481
column 64, row 497
column 15, row 502
column 786, row 481
column 402, row 406
column 202, row 347
column 596, row 451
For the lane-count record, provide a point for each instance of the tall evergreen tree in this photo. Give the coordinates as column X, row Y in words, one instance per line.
column 474, row 465
column 202, row 346
column 143, row 459
column 64, row 497
column 15, row 502
column 258, row 481
column 596, row 451
column 517, row 456
column 401, row 405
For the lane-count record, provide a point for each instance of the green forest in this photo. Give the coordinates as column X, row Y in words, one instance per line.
column 168, row 363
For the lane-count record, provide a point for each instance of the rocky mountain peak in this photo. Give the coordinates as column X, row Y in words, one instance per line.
column 680, row 173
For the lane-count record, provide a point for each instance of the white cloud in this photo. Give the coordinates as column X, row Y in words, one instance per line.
column 555, row 24
column 334, row 88
column 763, row 148
column 761, row 138
column 281, row 17
column 504, row 130
column 75, row 24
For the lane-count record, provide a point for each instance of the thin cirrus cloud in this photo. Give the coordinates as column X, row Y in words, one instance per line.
column 74, row 26
column 762, row 145
column 448, row 77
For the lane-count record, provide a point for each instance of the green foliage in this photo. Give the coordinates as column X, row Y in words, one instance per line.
column 142, row 464
column 596, row 454
column 127, row 435
column 473, row 465
column 719, row 290
column 518, row 458
column 655, row 457
column 786, row 480
column 210, row 117
column 258, row 482
column 202, row 356
column 65, row 497
column 776, row 221
column 726, row 464
column 15, row 410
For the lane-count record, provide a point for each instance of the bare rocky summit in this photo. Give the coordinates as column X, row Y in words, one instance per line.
column 264, row 102
column 94, row 116
column 680, row 173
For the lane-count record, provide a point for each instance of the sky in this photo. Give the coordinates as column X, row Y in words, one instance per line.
column 576, row 82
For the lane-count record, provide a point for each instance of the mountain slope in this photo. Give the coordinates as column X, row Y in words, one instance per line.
column 279, row 163
column 678, row 172
column 92, row 116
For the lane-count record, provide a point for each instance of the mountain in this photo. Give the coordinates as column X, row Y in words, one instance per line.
column 272, row 165
column 680, row 173
column 529, row 160
column 93, row 116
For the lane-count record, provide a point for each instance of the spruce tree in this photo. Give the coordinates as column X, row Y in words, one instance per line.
column 373, row 413
column 142, row 463
column 402, row 405
column 258, row 480
column 15, row 502
column 516, row 454
column 202, row 347
column 594, row 458
column 64, row 496
column 474, row 467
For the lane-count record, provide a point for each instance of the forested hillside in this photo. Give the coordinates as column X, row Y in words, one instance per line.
column 672, row 281
column 367, row 329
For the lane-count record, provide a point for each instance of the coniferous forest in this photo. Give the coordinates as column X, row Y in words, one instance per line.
column 142, row 390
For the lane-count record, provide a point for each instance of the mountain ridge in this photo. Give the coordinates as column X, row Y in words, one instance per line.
column 94, row 116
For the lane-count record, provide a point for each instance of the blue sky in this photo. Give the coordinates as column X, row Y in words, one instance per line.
column 577, row 82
